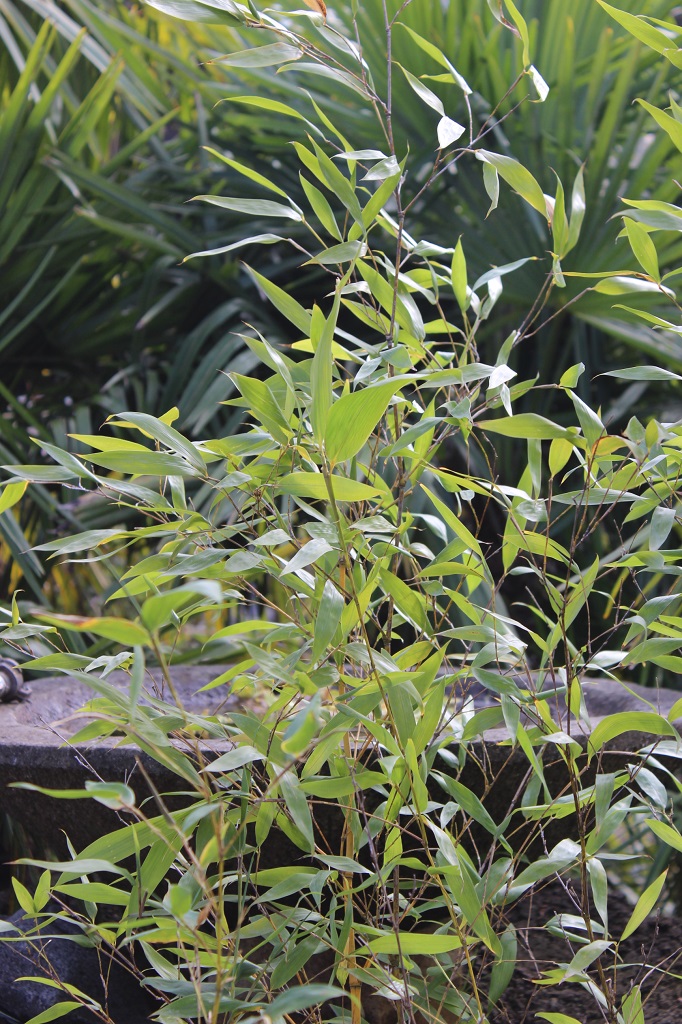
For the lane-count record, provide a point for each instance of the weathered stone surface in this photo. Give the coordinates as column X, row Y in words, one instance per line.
column 35, row 747
column 58, row 956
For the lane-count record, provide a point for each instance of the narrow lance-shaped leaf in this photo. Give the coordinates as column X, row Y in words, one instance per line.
column 642, row 247
column 525, row 425
column 322, row 336
column 285, row 303
column 261, row 56
column 217, row 12
column 313, row 485
column 639, row 28
column 645, row 904
column 517, row 176
column 252, row 207
column 448, row 130
column 669, row 124
column 458, row 276
column 327, row 620
column 438, row 56
column 353, row 418
column 248, row 172
column 592, row 426
column 628, row 721
column 577, row 211
column 265, row 239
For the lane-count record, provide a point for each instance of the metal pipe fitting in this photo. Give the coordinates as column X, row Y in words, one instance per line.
column 12, row 686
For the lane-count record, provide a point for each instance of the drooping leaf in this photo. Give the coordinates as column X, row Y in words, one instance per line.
column 352, row 419
column 644, row 906
column 313, row 485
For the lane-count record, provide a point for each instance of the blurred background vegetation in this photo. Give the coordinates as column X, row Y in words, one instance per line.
column 112, row 116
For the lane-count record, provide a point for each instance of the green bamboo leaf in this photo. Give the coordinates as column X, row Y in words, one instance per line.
column 285, row 303
column 526, row 425
column 592, row 426
column 491, row 183
column 41, row 474
column 407, row 317
column 352, row 419
column 261, row 56
column 666, row 832
column 670, row 125
column 211, row 11
column 163, row 432
column 414, row 943
column 662, row 522
column 11, row 494
column 56, row 1011
column 503, row 968
column 297, row 805
column 469, row 803
column 337, row 182
column 120, row 630
column 517, row 176
column 263, row 405
column 643, row 373
column 300, row 997
column 312, row 485
column 274, row 106
column 643, row 248
column 632, row 1010
column 645, row 904
column 410, row 604
column 321, row 208
column 322, row 337
column 458, row 276
column 454, row 522
column 342, row 253
column 586, row 956
column 659, row 215
column 652, row 648
column 628, row 721
column 327, row 619
column 438, row 56
column 253, row 207
column 577, row 211
column 423, row 92
column 149, row 463
column 639, row 28
column 522, row 29
column 235, row 758
column 560, row 228
column 265, row 239
column 307, row 555
column 78, row 866
column 94, row 892
column 448, row 132
column 557, row 1018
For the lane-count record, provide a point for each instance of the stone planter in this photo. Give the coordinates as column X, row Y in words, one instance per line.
column 35, row 747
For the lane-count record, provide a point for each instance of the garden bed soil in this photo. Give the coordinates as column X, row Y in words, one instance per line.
column 653, row 949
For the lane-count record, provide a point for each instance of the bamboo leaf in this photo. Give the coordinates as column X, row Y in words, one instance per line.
column 285, row 303
column 517, row 176
column 353, row 418
column 645, row 904
column 312, row 485
column 526, row 425
column 643, row 248
column 261, row 56
column 628, row 721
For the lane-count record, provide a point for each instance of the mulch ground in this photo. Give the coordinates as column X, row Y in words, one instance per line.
column 656, row 947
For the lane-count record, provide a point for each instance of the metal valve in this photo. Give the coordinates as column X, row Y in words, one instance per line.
column 12, row 686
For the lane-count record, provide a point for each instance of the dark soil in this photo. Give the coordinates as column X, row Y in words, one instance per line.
column 644, row 958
